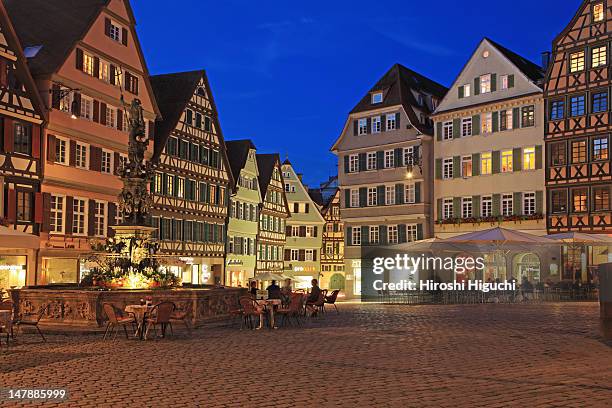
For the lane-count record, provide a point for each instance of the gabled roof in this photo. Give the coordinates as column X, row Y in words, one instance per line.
column 172, row 92
column 265, row 165
column 56, row 25
column 23, row 72
column 397, row 85
column 316, row 196
column 237, row 155
column 530, row 69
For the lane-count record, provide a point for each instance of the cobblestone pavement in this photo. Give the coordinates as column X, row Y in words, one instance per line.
column 368, row 355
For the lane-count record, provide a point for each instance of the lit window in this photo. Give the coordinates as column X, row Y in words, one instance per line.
column 467, row 90
column 598, row 56
column 111, row 115
column 506, row 161
column 579, row 151
column 485, row 83
column 374, row 235
column 466, row 166
column 104, row 73
column 507, row 205
column 79, row 216
column 410, row 193
column 529, row 203
column 466, row 207
column 392, row 234
column 529, row 158
column 486, row 163
column 412, row 232
column 25, row 204
column 577, row 61
column 601, row 198
column 447, row 130
column 88, row 64
column 100, row 219
column 86, row 108
column 309, row 255
column 487, row 122
column 81, row 156
column 503, row 82
column 356, row 236
column 600, row 148
column 505, row 120
column 389, row 159
column 598, row 12
column 57, row 214
column 528, row 116
column 447, row 168
column 486, row 206
column 61, row 152
column 377, row 97
column 466, row 127
column 580, row 200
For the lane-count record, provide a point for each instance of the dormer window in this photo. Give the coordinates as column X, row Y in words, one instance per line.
column 598, row 12
column 115, row 31
column 377, row 97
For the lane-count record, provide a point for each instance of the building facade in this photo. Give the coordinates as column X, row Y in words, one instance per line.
column 87, row 62
column 192, row 178
column 385, row 166
column 304, row 231
column 244, row 209
column 578, row 126
column 489, row 146
column 273, row 216
column 21, row 119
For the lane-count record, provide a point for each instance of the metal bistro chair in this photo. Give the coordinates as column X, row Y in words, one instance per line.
column 331, row 299
column 294, row 310
column 7, row 305
column 250, row 308
column 115, row 320
column 33, row 322
column 160, row 314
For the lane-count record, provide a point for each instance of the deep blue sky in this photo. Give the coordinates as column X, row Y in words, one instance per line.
column 286, row 73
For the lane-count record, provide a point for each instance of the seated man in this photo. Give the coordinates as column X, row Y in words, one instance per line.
column 313, row 296
column 274, row 291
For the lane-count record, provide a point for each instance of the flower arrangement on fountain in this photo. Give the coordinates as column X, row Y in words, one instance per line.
column 128, row 263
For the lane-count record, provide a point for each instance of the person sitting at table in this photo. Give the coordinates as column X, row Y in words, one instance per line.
column 313, row 296
column 253, row 289
column 286, row 291
column 274, row 291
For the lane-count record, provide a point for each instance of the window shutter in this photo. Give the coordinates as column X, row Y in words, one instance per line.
column 362, row 161
column 68, row 225
column 456, row 128
column 460, row 92
column 9, row 142
column 112, row 74
column 369, row 125
column 51, row 140
column 516, row 118
column 380, row 195
column 365, row 236
column 112, row 214
column 95, row 158
column 151, row 130
column 91, row 218
column 493, row 82
column 288, row 231
column 516, row 205
column 398, row 157
column 96, row 67
column 476, row 125
column 495, row 119
column 355, row 128
column 77, row 99
column 476, row 164
column 517, row 164
column 477, row 86
column 417, row 192
column 116, row 162
column 119, row 119
column 439, row 208
column 303, row 231
column 103, row 113
column 36, row 141
column 496, row 162
column 419, row 232
column 511, row 81
column 347, row 198
column 314, row 255
column 349, row 234
column 96, row 111
column 439, row 169
column 539, row 202
column 12, row 206
column 302, row 255
column 456, row 207
column 124, row 36
column 46, row 220
column 457, row 167
column 316, row 231
column 538, row 157
column 439, row 131
column 346, row 164
column 380, row 160
column 79, row 59
column 287, row 255
column 399, row 194
column 401, row 232
column 476, row 206
column 363, row 197
column 382, row 232
column 307, row 208
column 398, row 117
column 107, row 26
column 383, row 123
column 72, row 158
column 3, row 74
column 496, row 203
column 55, row 96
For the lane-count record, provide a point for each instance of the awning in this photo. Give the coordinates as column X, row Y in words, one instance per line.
column 10, row 238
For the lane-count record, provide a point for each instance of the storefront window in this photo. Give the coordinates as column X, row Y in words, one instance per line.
column 527, row 265
column 12, row 271
column 61, row 270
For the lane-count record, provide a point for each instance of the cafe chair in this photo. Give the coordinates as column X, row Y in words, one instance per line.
column 19, row 323
column 179, row 316
column 160, row 315
column 331, row 299
column 293, row 310
column 250, row 308
column 116, row 320
column 8, row 305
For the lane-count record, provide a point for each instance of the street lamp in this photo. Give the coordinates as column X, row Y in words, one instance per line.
column 416, row 160
column 64, row 92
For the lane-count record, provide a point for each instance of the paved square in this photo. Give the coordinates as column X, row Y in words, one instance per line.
column 369, row 355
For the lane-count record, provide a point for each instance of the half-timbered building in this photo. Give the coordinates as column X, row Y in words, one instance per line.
column 578, row 126
column 244, row 209
column 21, row 119
column 86, row 60
column 273, row 216
column 192, row 178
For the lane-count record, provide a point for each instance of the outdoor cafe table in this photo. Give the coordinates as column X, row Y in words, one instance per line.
column 6, row 322
column 269, row 304
column 140, row 311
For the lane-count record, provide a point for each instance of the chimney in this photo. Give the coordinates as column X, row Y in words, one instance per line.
column 545, row 60
column 299, row 176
